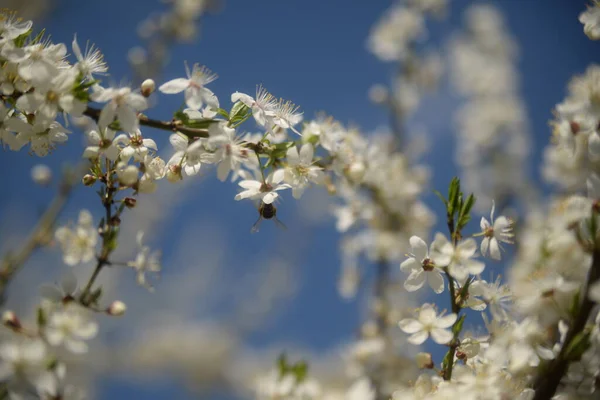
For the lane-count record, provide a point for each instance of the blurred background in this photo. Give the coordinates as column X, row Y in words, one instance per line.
column 229, row 302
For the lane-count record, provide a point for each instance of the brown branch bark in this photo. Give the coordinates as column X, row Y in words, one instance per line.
column 548, row 381
column 171, row 126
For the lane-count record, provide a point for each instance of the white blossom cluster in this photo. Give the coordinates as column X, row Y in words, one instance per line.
column 575, row 155
column 542, row 327
column 493, row 143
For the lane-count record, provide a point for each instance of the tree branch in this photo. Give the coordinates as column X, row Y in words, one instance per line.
column 12, row 263
column 172, row 126
column 548, row 381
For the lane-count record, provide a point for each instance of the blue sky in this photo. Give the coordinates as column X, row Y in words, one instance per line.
column 314, row 53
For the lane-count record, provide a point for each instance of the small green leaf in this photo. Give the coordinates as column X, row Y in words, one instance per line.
column 457, row 327
column 181, row 116
column 223, row 113
column 453, row 195
column 578, row 346
column 448, row 358
column 282, row 364
column 20, row 40
column 575, row 304
column 468, row 205
column 41, row 317
column 300, row 370
column 200, row 123
column 441, row 197
column 95, row 296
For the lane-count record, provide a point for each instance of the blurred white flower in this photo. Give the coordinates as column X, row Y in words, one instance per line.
column 428, row 323
column 70, row 326
column 41, row 174
column 145, row 261
column 590, row 19
column 78, row 243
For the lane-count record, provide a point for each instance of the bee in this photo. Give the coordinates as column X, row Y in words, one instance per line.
column 267, row 211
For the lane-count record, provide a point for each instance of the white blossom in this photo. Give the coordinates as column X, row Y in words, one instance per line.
column 70, row 326
column 428, row 322
column 145, row 261
column 263, row 107
column 196, row 93
column 78, row 243
column 265, row 191
column 421, row 268
column 590, row 19
column 121, row 103
column 498, row 230
column 301, row 170
column 458, row 259
column 90, row 62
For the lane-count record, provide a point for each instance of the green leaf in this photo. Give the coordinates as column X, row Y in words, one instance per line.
column 95, row 296
column 223, row 113
column 239, row 113
column 578, row 346
column 457, row 327
column 41, row 317
column 468, row 205
column 300, row 370
column 181, row 116
column 453, row 195
column 200, row 123
column 20, row 40
column 282, row 364
column 575, row 304
column 448, row 358
column 441, row 197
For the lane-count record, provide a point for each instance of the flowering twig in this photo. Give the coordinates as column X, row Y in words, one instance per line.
column 108, row 237
column 547, row 382
column 12, row 263
column 171, row 126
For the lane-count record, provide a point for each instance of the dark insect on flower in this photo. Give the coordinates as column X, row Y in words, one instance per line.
column 267, row 211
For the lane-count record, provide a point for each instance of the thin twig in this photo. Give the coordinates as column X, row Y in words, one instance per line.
column 171, row 126
column 12, row 263
column 107, row 236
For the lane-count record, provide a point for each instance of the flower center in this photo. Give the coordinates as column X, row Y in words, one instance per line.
column 265, row 187
column 51, row 96
column 489, row 232
column 428, row 265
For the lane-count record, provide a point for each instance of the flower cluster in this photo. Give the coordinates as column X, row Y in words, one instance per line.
column 542, row 325
column 492, row 129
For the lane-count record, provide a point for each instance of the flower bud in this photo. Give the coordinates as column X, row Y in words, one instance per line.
column 378, row 94
column 88, row 180
column 356, row 171
column 116, row 309
column 41, row 174
column 174, row 173
column 369, row 329
column 148, row 87
column 127, row 174
column 10, row 320
column 130, row 202
column 424, row 361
